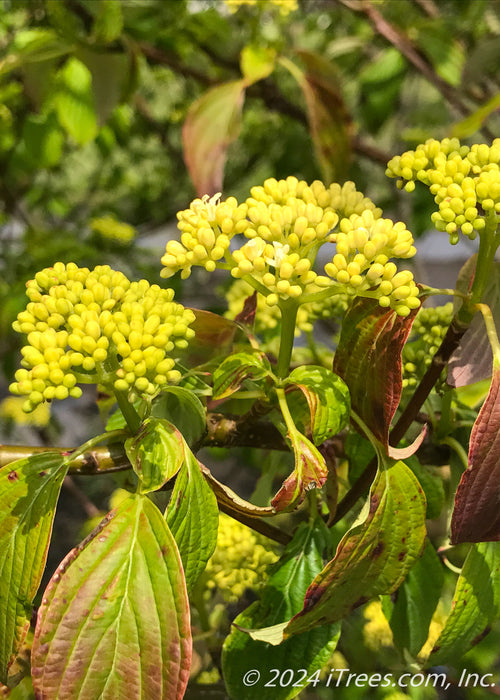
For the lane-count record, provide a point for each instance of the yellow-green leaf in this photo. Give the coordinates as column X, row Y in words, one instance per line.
column 114, row 620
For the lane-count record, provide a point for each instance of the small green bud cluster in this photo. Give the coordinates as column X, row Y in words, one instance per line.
column 240, row 561
column 287, row 222
column 87, row 326
column 109, row 227
column 428, row 331
column 465, row 182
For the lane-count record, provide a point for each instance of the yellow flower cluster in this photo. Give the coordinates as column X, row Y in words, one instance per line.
column 11, row 409
column 284, row 6
column 364, row 248
column 465, row 182
column 428, row 331
column 109, row 227
column 240, row 560
column 207, row 228
column 286, row 223
column 88, row 326
column 376, row 632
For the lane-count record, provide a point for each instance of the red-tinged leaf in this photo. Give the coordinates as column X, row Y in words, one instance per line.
column 327, row 397
column 476, row 515
column 212, row 123
column 405, row 452
column 310, row 473
column 230, row 375
column 29, row 489
column 330, row 122
column 214, row 336
column 368, row 358
column 156, row 453
column 114, row 620
column 472, row 361
column 375, row 556
column 228, row 500
column 247, row 314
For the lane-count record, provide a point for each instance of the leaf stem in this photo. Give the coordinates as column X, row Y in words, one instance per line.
column 131, row 416
column 288, row 308
column 491, row 331
column 457, row 449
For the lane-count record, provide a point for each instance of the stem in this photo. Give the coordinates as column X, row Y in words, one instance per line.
column 285, row 411
column 131, row 416
column 288, row 310
column 457, row 449
column 491, row 332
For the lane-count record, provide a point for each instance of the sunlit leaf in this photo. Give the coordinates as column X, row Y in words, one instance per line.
column 29, row 489
column 117, row 607
column 373, row 337
column 229, row 376
column 193, row 516
column 74, row 102
column 476, row 516
column 328, row 399
column 108, row 23
column 282, row 598
column 374, row 556
column 212, row 123
column 156, row 453
column 475, row 605
column 257, row 62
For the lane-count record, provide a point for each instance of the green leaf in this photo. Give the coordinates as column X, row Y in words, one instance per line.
column 182, row 408
column 108, row 24
column 432, row 483
column 193, row 518
column 328, row 399
column 374, row 556
column 257, row 62
column 373, row 337
column 43, row 140
column 110, row 78
column 32, row 46
column 468, row 126
column 281, row 598
column 329, row 120
column 387, row 66
column 117, row 606
column 416, row 601
column 74, row 102
column 310, row 472
column 156, row 453
column 230, row 375
column 29, row 489
column 476, row 603
column 212, row 123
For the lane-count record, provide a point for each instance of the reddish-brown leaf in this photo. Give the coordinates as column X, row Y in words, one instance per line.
column 476, row 516
column 212, row 123
column 368, row 359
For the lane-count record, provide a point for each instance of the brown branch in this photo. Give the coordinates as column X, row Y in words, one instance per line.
column 403, row 44
column 428, row 7
column 100, row 460
column 165, row 58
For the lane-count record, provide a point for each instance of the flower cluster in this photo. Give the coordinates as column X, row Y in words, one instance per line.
column 465, row 182
column 285, row 223
column 428, row 331
column 11, row 410
column 111, row 228
column 284, row 6
column 88, row 326
column 240, row 560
